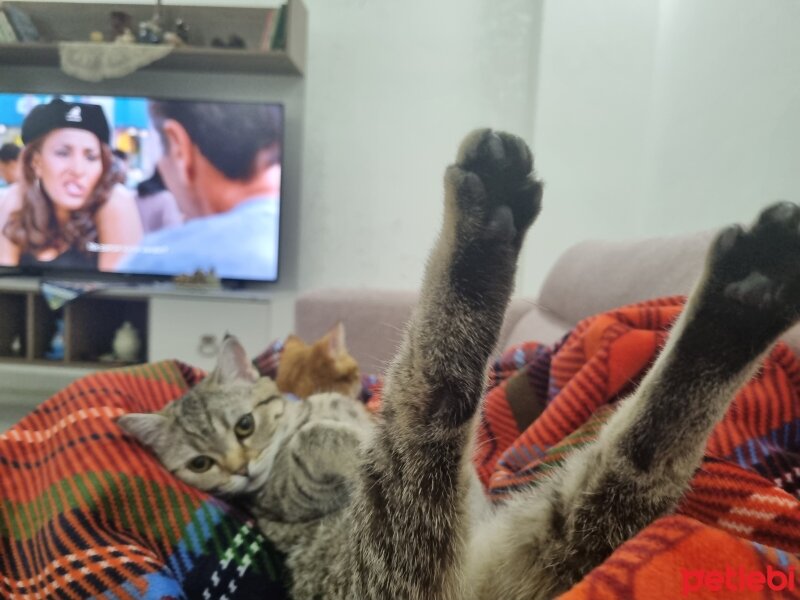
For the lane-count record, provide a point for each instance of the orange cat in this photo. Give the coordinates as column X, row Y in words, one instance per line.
column 324, row 366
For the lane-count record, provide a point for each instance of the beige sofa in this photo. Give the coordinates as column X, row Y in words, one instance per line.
column 588, row 278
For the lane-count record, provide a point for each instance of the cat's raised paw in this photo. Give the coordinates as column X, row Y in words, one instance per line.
column 760, row 267
column 493, row 188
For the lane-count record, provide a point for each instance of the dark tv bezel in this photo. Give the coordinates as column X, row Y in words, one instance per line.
column 136, row 278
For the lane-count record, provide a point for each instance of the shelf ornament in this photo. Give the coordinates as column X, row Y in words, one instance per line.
column 92, row 61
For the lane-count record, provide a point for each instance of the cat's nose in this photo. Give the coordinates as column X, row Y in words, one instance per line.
column 242, row 470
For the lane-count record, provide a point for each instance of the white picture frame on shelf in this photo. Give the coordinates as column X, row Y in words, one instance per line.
column 7, row 34
column 21, row 23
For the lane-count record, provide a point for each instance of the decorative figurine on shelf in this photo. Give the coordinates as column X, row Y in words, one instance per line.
column 182, row 30
column 16, row 346
column 234, row 41
column 126, row 343
column 56, row 351
column 150, row 32
column 172, row 38
column 121, row 26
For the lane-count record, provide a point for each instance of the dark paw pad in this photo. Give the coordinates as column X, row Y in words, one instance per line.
column 760, row 267
column 493, row 180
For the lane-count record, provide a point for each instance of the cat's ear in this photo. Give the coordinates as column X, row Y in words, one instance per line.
column 232, row 363
column 148, row 428
column 335, row 340
column 292, row 340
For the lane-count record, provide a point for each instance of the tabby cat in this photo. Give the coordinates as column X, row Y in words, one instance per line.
column 388, row 509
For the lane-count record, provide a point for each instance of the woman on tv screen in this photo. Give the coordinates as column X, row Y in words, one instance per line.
column 66, row 201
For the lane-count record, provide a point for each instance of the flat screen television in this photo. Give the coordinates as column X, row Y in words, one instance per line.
column 181, row 186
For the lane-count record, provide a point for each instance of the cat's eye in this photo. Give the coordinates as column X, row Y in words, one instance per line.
column 200, row 464
column 245, row 426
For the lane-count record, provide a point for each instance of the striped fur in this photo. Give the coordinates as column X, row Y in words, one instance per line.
column 390, row 511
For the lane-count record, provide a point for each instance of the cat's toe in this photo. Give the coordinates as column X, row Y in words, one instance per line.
column 782, row 218
column 500, row 158
column 756, row 290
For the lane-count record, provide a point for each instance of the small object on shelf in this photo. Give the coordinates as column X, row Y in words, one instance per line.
column 126, row 343
column 126, row 38
column 150, row 32
column 269, row 28
column 23, row 26
column 172, row 38
column 234, row 41
column 278, row 40
column 96, row 36
column 274, row 36
column 94, row 62
column 182, row 30
column 7, row 34
column 56, row 351
column 199, row 279
column 16, row 346
column 121, row 24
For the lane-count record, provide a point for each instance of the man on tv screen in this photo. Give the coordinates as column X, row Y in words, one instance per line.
column 221, row 161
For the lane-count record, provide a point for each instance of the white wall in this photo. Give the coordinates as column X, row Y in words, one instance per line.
column 392, row 87
column 592, row 112
column 726, row 139
column 662, row 117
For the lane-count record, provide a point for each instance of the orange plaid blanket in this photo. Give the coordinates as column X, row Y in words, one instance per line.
column 736, row 533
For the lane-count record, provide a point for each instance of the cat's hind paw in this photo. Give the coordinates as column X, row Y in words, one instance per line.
column 493, row 189
column 759, row 268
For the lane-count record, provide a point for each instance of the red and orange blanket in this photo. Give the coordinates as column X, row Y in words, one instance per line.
column 86, row 512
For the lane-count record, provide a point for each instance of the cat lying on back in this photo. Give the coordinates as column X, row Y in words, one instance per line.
column 387, row 509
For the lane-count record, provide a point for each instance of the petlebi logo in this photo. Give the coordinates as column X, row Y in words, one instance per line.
column 734, row 579
column 74, row 115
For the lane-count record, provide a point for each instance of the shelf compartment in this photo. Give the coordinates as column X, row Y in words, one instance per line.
column 13, row 324
column 42, row 328
column 92, row 323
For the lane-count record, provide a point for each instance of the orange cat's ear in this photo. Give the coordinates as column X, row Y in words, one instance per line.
column 335, row 339
column 232, row 363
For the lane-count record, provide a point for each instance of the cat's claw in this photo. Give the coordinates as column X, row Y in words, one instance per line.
column 496, row 195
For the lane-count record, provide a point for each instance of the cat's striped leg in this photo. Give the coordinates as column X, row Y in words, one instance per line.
column 409, row 526
column 644, row 457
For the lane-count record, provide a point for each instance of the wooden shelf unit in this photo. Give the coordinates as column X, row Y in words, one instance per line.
column 172, row 322
column 60, row 21
column 89, row 327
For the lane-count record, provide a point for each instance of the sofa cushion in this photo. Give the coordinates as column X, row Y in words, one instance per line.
column 594, row 276
column 537, row 325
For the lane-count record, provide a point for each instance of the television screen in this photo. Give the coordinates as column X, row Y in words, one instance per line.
column 146, row 186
